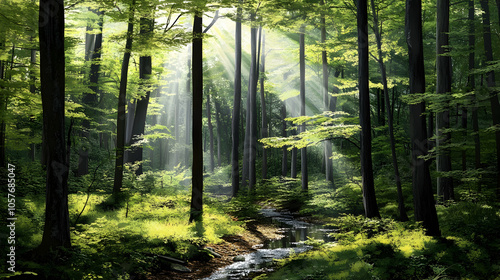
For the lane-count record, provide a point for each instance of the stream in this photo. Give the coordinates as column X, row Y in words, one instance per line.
column 294, row 233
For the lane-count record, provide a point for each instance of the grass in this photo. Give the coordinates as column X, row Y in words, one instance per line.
column 115, row 242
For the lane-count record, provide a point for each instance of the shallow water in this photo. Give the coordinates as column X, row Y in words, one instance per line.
column 294, row 234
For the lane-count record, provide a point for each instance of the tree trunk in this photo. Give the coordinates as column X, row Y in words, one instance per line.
column 197, row 167
column 490, row 78
column 218, row 123
column 443, row 86
column 264, row 128
column 187, row 155
column 122, row 101
column 284, row 159
column 303, row 151
column 93, row 45
column 423, row 199
column 390, row 120
column 235, row 124
column 326, row 99
column 369, row 198
column 211, row 134
column 141, row 108
column 472, row 85
column 52, row 75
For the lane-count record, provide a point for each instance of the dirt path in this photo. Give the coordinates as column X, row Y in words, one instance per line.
column 233, row 245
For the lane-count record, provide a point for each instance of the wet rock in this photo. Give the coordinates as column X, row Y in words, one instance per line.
column 179, row 268
column 239, row 258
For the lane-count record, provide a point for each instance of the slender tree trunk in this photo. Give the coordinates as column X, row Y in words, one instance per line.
column 472, row 85
column 93, row 45
column 443, row 86
column 141, row 108
column 369, row 198
column 252, row 172
column 219, row 131
column 490, row 78
column 303, row 151
column 284, row 159
column 187, row 155
column 211, row 134
column 390, row 120
column 197, row 167
column 32, row 91
column 122, row 100
column 52, row 76
column 326, row 98
column 264, row 129
column 235, row 124
column 423, row 198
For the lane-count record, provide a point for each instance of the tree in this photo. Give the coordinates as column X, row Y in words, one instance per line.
column 197, row 167
column 390, row 119
column 93, row 45
column 122, row 101
column 302, row 62
column 443, row 87
column 490, row 79
column 369, row 198
column 423, row 199
column 326, row 99
column 235, row 125
column 52, row 76
column 141, row 107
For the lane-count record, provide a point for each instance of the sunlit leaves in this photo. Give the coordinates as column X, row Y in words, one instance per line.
column 321, row 127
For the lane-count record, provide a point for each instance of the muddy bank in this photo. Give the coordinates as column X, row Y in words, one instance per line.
column 232, row 246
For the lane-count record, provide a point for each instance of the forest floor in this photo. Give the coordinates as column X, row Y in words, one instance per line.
column 233, row 245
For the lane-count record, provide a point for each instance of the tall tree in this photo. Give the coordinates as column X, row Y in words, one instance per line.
column 390, row 120
column 264, row 126
column 52, row 76
column 211, row 133
column 93, row 45
column 369, row 198
column 122, row 101
column 490, row 79
column 197, row 79
column 302, row 62
column 443, row 86
column 326, row 97
column 423, row 199
column 471, row 83
column 235, row 124
column 141, row 107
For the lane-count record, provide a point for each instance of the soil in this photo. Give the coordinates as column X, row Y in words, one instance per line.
column 232, row 245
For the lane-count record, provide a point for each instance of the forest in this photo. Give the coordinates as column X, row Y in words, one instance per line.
column 249, row 139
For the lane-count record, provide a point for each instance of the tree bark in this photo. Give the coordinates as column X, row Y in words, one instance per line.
column 303, row 151
column 490, row 79
column 423, row 199
column 284, row 158
column 471, row 81
column 235, row 124
column 369, row 198
column 264, row 128
column 443, row 86
column 141, row 107
column 122, row 101
column 197, row 167
column 52, row 76
column 390, row 120
column 326, row 98
column 211, row 134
